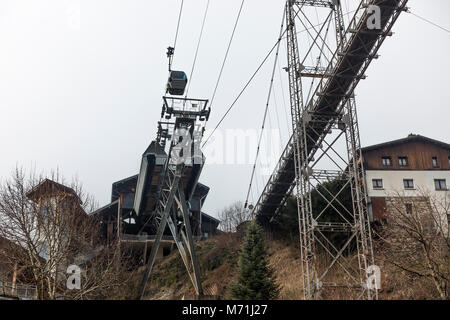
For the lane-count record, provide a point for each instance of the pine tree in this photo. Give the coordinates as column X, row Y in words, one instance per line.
column 256, row 279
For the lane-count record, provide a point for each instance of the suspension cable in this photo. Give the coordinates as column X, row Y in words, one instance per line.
column 198, row 47
column 428, row 21
column 284, row 99
column 245, row 87
column 247, row 84
column 266, row 109
column 178, row 29
column 226, row 53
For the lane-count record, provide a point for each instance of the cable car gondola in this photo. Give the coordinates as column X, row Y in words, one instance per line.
column 177, row 83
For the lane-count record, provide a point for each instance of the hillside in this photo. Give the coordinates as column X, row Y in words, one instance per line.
column 218, row 257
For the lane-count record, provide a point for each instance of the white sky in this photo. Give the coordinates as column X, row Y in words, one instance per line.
column 83, row 93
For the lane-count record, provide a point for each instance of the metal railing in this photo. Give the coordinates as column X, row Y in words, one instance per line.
column 17, row 290
column 133, row 237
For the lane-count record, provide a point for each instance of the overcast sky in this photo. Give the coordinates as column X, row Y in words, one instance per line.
column 81, row 82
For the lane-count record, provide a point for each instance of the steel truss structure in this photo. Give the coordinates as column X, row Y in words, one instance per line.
column 325, row 148
column 183, row 137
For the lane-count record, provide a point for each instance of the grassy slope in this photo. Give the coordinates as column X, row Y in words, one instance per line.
column 218, row 257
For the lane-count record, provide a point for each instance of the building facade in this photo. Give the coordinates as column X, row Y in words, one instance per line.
column 410, row 168
column 122, row 202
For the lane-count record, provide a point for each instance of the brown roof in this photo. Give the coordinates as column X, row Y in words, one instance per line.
column 47, row 187
column 3, row 242
column 409, row 138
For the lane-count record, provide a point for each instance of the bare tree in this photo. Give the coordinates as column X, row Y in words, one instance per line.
column 416, row 237
column 234, row 215
column 48, row 228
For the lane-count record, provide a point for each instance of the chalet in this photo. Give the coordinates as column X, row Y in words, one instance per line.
column 407, row 167
column 50, row 197
column 48, row 189
column 53, row 199
column 13, row 276
column 6, row 267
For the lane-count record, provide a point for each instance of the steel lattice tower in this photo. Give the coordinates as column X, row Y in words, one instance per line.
column 323, row 160
column 181, row 137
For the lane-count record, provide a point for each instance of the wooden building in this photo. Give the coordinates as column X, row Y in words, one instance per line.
column 408, row 167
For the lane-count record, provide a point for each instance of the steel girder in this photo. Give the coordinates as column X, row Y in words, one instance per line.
column 173, row 211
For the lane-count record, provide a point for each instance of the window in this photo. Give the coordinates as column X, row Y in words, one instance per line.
column 409, row 208
column 435, row 162
column 440, row 184
column 449, row 160
column 386, row 161
column 43, row 249
column 377, row 183
column 403, row 161
column 408, row 183
column 43, row 212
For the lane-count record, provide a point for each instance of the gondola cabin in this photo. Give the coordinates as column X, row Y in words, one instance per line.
column 177, row 83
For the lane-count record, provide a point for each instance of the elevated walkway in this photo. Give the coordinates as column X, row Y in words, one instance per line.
column 345, row 71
